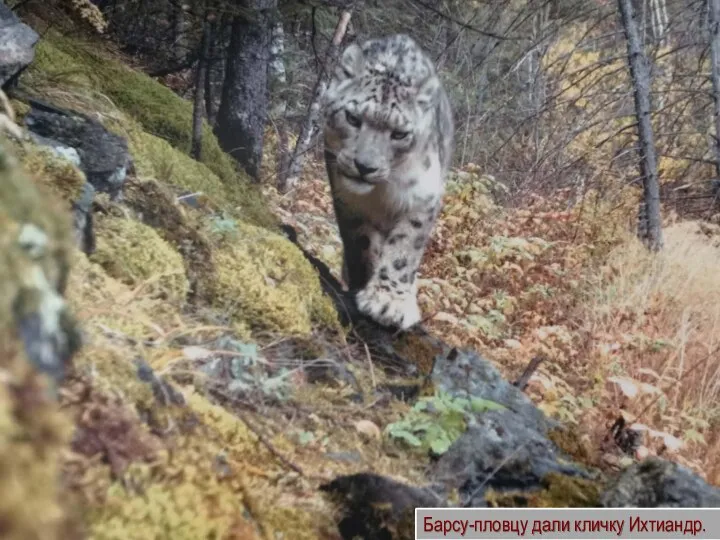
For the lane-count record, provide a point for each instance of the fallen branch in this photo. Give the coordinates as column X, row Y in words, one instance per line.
column 522, row 381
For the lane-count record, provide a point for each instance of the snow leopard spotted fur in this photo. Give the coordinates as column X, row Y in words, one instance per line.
column 388, row 132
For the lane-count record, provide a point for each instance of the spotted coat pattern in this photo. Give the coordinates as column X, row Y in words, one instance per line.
column 388, row 144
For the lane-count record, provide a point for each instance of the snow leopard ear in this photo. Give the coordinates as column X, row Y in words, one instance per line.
column 350, row 63
column 428, row 92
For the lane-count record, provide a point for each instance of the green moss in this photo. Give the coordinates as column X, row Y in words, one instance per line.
column 160, row 111
column 156, row 121
column 136, row 255
column 156, row 158
column 264, row 280
column 33, row 432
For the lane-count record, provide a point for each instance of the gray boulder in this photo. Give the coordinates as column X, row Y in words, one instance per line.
column 17, row 46
column 503, row 452
column 464, row 373
column 101, row 155
column 104, row 156
column 656, row 483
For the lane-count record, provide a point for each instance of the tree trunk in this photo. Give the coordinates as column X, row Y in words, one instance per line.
column 243, row 108
column 640, row 74
column 714, row 9
column 287, row 181
column 181, row 31
column 200, row 78
column 210, row 62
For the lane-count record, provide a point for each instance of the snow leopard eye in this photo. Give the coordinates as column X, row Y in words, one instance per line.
column 399, row 135
column 353, row 120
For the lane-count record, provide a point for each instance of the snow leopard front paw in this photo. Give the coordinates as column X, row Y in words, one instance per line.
column 387, row 307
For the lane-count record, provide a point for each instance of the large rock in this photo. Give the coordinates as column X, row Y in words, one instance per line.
column 104, row 156
column 17, row 46
column 503, row 452
column 464, row 373
column 657, row 483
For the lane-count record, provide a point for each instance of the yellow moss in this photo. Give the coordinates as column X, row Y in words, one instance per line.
column 183, row 495
column 113, row 372
column 418, row 350
column 233, row 432
column 569, row 442
column 186, row 511
column 136, row 254
column 101, row 301
column 186, row 493
column 57, row 173
column 264, row 280
column 30, row 445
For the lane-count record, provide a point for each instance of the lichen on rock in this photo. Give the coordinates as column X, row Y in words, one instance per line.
column 57, row 173
column 37, row 337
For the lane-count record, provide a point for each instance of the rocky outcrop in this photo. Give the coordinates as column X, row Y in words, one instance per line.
column 101, row 155
column 104, row 156
column 17, row 46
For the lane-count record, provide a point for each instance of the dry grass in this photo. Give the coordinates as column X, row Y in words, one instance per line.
column 655, row 321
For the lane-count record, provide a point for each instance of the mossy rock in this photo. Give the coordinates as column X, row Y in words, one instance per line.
column 156, row 159
column 57, row 173
column 35, row 240
column 137, row 255
column 264, row 280
column 154, row 204
column 160, row 111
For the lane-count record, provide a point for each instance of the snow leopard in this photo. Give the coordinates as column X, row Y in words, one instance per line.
column 388, row 134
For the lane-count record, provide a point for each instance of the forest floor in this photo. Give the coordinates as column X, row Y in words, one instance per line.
column 622, row 333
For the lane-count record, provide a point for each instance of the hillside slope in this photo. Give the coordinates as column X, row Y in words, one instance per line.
column 208, row 386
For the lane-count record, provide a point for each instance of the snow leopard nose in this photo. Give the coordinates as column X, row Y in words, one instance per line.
column 364, row 170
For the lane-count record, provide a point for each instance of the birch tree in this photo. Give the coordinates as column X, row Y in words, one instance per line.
column 640, row 75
